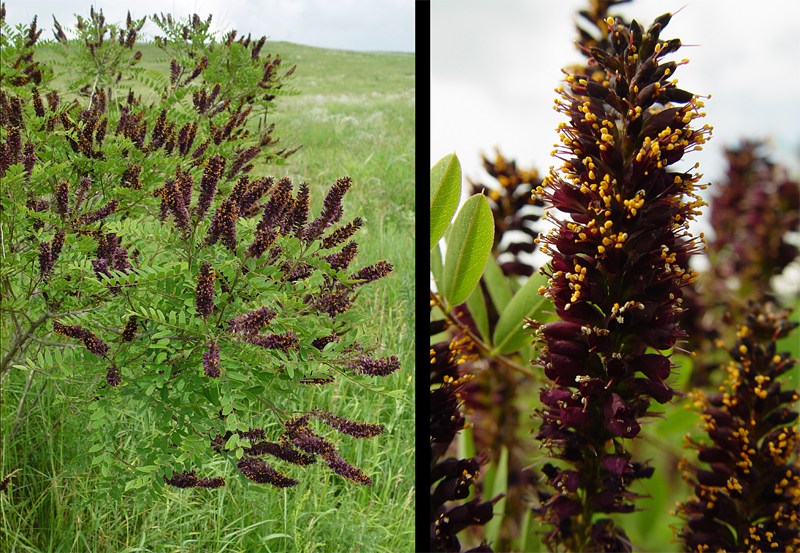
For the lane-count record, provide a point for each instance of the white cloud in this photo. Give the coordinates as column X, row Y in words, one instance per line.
column 386, row 25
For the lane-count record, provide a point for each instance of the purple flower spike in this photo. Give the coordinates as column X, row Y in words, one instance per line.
column 130, row 178
column 365, row 364
column 57, row 244
column 346, row 470
column 299, row 216
column 245, row 156
column 94, row 344
column 184, row 182
column 262, row 243
column 351, row 428
column 281, row 451
column 619, row 258
column 276, row 207
column 274, row 341
column 261, row 473
column 211, row 361
column 253, row 193
column 298, row 434
column 342, row 259
column 204, row 291
column 320, row 343
column 98, row 214
column 172, row 197
column 341, row 234
column 223, row 224
column 210, row 483
column 331, row 209
column 333, row 303
column 45, row 260
column 62, row 198
column 182, row 479
column 752, row 448
column 372, row 273
column 113, row 377
column 208, row 184
column 70, row 331
column 129, row 332
column 251, row 323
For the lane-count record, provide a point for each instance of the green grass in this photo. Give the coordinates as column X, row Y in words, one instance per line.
column 354, row 116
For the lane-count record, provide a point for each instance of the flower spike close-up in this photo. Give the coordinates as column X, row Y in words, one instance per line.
column 618, row 262
column 748, row 499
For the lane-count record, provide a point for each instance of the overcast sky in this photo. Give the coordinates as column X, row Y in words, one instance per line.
column 366, row 25
column 494, row 66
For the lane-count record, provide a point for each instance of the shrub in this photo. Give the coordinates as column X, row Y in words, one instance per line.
column 187, row 295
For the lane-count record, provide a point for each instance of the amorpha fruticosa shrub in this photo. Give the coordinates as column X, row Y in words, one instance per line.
column 143, row 259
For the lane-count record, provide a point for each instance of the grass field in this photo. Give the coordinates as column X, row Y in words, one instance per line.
column 354, row 116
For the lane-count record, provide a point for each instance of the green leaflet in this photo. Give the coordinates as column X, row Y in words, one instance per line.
column 436, row 264
column 496, row 284
column 445, row 193
column 508, row 334
column 477, row 308
column 468, row 248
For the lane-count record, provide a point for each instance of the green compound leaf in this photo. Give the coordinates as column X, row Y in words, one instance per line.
column 445, row 193
column 508, row 334
column 468, row 248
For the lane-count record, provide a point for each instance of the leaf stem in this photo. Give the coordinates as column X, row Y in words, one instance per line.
column 501, row 359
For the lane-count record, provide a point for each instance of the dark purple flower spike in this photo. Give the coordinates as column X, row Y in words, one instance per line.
column 299, row 435
column 749, row 479
column 94, row 344
column 204, row 291
column 619, row 260
column 211, row 361
column 251, row 323
column 190, row 480
column 351, row 428
column 260, row 472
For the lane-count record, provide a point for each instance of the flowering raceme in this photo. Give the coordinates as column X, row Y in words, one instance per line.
column 250, row 323
column 753, row 484
column 453, row 477
column 619, row 261
column 90, row 340
column 751, row 211
column 204, row 291
column 211, row 361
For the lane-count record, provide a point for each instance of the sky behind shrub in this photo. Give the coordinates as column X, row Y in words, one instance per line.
column 365, row 25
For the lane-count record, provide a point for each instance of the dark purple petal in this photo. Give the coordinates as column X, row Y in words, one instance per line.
column 656, row 367
column 658, row 391
column 615, row 407
column 616, row 465
column 628, row 428
column 565, row 507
